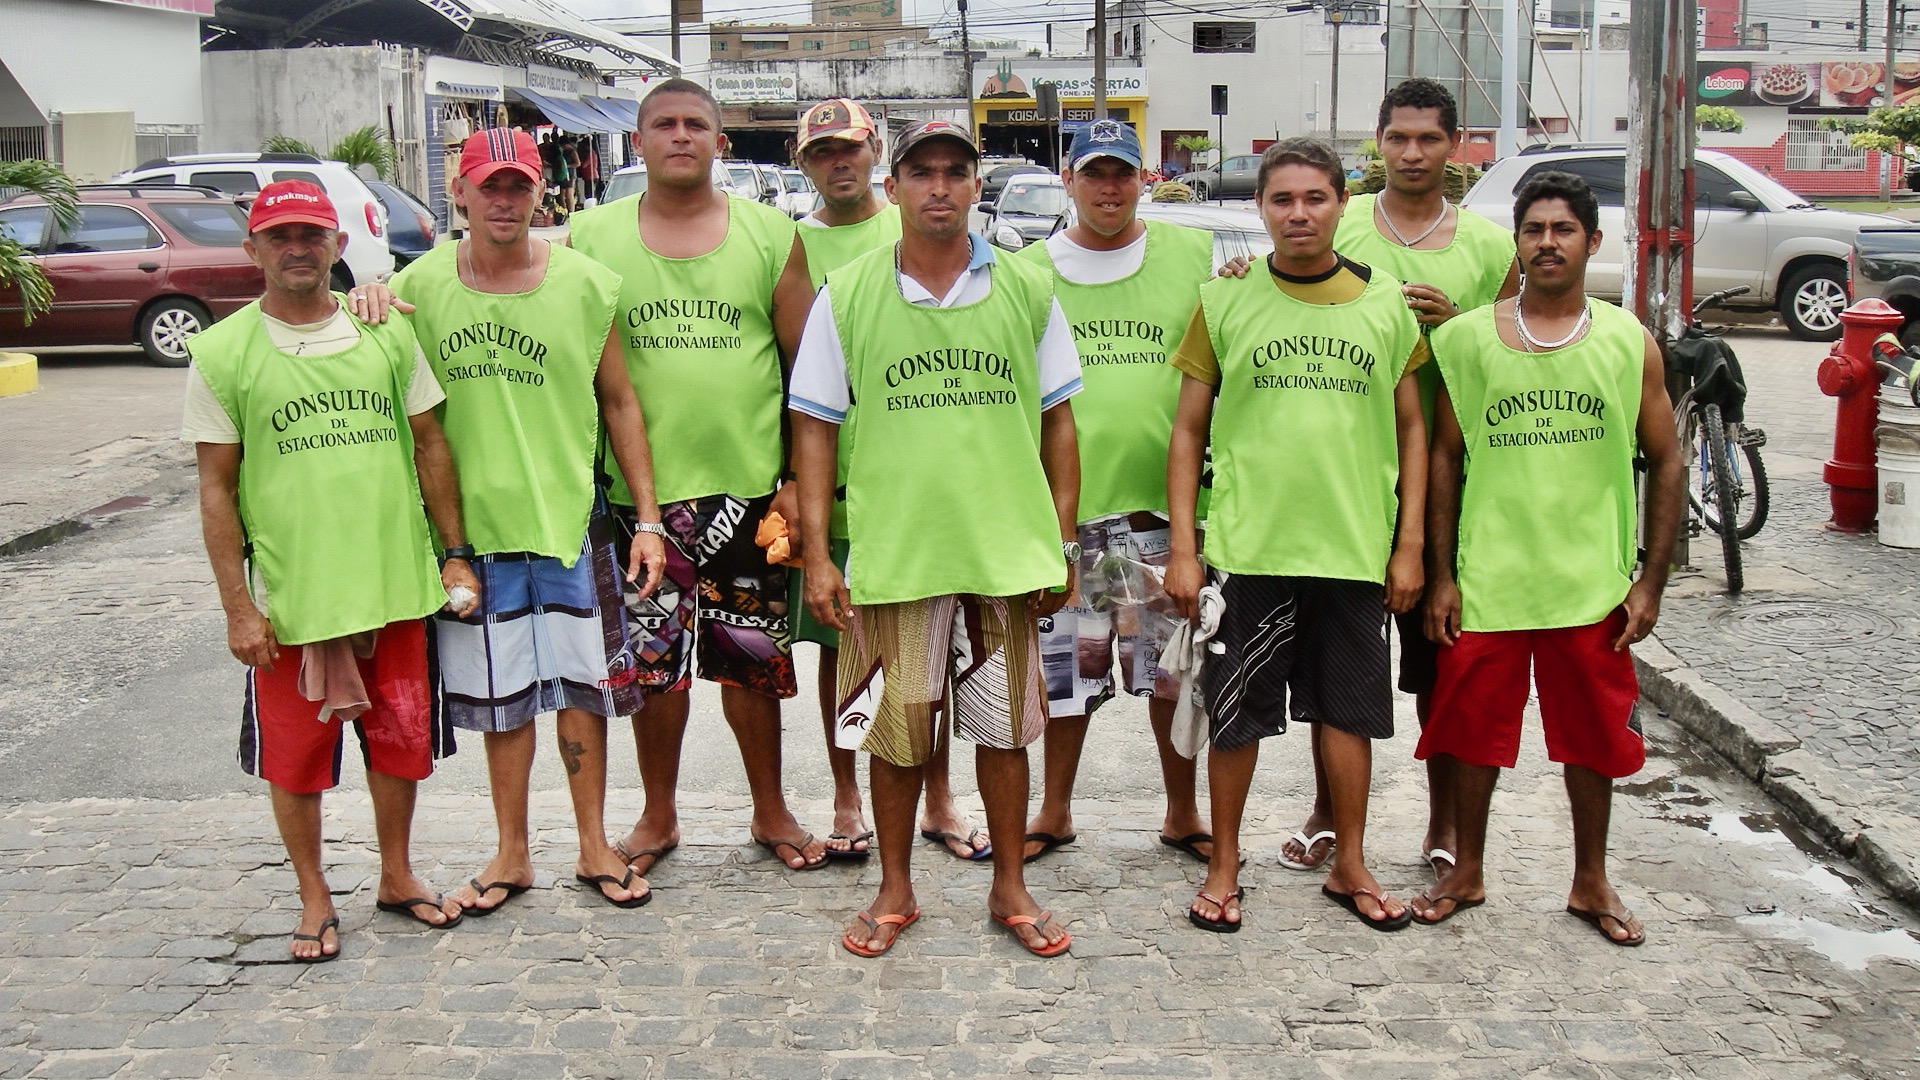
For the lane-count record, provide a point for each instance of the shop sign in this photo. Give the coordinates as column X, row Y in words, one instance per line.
column 1858, row 83
column 1013, row 78
column 448, row 77
column 1032, row 116
column 779, row 85
column 550, row 80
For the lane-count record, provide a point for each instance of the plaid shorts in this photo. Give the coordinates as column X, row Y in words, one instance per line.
column 908, row 670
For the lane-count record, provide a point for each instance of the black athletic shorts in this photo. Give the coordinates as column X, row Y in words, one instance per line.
column 1419, row 657
column 1322, row 641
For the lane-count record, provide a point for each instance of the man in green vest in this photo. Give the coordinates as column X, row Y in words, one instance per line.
column 519, row 332
column 1450, row 260
column 695, row 321
column 316, row 444
column 1531, row 543
column 838, row 147
column 1128, row 288
column 962, row 479
column 1302, row 375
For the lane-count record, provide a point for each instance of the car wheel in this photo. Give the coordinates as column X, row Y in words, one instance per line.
column 1811, row 302
column 166, row 326
column 1200, row 191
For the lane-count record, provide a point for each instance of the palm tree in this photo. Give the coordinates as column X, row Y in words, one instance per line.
column 42, row 178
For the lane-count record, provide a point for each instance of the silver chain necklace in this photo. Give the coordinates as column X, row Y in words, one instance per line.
column 474, row 275
column 1381, row 209
column 1534, row 344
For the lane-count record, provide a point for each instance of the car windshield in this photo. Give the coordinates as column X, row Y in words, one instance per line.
column 623, row 184
column 209, row 224
column 1026, row 197
column 795, row 181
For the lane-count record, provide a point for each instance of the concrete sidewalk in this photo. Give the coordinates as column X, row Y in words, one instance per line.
column 1810, row 680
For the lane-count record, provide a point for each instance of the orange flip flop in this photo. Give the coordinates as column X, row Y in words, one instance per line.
column 873, row 924
column 1013, row 922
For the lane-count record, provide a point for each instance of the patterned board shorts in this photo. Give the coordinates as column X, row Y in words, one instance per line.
column 719, row 601
column 1123, row 602
column 546, row 637
column 908, row 670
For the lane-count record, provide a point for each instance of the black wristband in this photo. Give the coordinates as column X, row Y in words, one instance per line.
column 464, row 551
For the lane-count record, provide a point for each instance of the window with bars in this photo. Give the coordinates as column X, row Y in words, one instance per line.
column 1223, row 37
column 1810, row 148
column 23, row 143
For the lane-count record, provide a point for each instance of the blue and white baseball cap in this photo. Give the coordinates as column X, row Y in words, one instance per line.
column 1106, row 138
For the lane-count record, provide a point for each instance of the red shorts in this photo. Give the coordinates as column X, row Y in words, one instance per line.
column 1587, row 692
column 283, row 742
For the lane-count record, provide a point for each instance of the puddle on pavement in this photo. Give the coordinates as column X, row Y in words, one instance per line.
column 1739, row 829
column 1851, row 949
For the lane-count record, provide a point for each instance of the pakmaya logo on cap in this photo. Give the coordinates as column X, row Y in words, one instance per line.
column 291, row 196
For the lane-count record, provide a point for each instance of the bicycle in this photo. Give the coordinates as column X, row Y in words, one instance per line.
column 1726, row 480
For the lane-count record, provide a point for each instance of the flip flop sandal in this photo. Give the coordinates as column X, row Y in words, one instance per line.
column 1220, row 925
column 1437, row 856
column 799, row 851
column 481, row 891
column 1048, row 842
column 1459, row 906
column 947, row 840
column 1592, row 918
column 1014, row 922
column 332, row 923
column 1190, row 844
column 598, row 880
column 658, row 853
column 1348, row 901
column 1307, row 844
column 851, row 854
column 406, row 907
column 873, row 926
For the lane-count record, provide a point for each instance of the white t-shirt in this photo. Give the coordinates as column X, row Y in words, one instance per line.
column 1085, row 266
column 205, row 421
column 820, row 384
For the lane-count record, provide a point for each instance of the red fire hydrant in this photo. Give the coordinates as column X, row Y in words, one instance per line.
column 1848, row 373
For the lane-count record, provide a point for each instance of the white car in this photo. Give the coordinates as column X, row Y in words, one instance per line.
column 1747, row 230
column 632, row 180
column 363, row 217
column 797, row 200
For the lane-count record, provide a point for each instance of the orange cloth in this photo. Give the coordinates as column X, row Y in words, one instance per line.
column 774, row 535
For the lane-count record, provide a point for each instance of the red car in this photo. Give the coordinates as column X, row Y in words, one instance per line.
column 151, row 266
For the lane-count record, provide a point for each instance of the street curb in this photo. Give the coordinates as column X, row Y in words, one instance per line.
column 1807, row 788
column 19, row 374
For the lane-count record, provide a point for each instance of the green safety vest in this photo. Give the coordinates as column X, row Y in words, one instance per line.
column 697, row 335
column 834, row 246
column 328, row 494
column 1125, row 330
column 828, row 249
column 1547, row 510
column 1306, row 453
column 1470, row 269
column 946, row 492
column 520, row 414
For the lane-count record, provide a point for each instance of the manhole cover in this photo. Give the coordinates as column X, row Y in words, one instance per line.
column 1806, row 623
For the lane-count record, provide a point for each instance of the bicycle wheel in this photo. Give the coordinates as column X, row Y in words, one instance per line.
column 1721, row 496
column 1749, row 489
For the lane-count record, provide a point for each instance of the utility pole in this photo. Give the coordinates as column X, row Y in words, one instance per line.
column 673, row 25
column 1507, row 137
column 1100, row 59
column 966, row 66
column 1336, row 14
column 1886, row 98
column 1589, row 120
column 1657, row 267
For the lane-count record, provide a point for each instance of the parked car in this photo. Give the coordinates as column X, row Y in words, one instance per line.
column 151, row 266
column 877, row 181
column 362, row 216
column 996, row 177
column 797, row 199
column 1747, row 229
column 632, row 180
column 1886, row 264
column 1237, row 232
column 1025, row 210
column 748, row 182
column 410, row 225
column 1233, row 178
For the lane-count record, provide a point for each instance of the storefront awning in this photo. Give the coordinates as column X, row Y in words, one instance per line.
column 571, row 116
column 621, row 111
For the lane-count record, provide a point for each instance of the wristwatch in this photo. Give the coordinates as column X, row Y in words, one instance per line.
column 463, row 551
column 1070, row 549
column 654, row 527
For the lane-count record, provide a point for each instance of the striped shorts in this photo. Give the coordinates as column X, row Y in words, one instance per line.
column 908, row 670
column 545, row 637
column 1321, row 640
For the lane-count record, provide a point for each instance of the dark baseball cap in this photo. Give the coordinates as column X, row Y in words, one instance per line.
column 927, row 132
column 1105, row 138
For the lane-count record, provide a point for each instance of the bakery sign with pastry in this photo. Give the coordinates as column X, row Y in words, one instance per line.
column 1833, row 84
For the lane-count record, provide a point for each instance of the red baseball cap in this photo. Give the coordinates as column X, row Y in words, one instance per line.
column 489, row 150
column 291, row 202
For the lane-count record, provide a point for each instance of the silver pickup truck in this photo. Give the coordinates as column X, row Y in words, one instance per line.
column 1886, row 263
